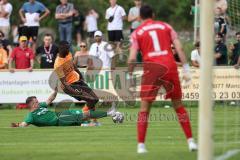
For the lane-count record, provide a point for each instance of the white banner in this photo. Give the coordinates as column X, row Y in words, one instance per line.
column 109, row 85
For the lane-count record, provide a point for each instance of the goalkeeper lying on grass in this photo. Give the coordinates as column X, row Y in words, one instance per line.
column 40, row 116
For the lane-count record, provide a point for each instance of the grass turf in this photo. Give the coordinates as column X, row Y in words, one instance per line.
column 165, row 139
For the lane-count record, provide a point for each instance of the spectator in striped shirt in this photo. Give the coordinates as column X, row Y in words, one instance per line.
column 64, row 14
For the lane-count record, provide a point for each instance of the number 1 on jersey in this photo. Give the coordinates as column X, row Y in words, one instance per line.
column 155, row 40
column 156, row 45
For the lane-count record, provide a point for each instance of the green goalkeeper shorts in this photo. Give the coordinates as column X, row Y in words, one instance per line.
column 70, row 118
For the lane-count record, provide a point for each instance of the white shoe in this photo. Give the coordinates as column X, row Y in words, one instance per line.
column 192, row 146
column 141, row 148
column 112, row 111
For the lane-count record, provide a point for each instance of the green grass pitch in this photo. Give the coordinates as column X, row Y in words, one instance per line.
column 165, row 139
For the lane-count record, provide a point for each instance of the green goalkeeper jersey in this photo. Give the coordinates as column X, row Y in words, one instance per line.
column 42, row 116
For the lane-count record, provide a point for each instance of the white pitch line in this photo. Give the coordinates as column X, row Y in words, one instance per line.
column 228, row 154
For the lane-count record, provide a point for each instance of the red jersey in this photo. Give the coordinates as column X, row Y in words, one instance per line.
column 22, row 57
column 154, row 39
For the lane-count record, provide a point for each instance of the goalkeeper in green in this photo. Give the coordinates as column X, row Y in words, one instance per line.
column 41, row 116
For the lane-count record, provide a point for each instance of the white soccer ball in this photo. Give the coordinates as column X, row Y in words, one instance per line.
column 118, row 118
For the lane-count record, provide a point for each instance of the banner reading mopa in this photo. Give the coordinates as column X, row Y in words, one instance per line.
column 111, row 85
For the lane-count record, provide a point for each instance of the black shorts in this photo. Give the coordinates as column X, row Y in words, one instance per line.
column 78, row 30
column 85, row 93
column 30, row 32
column 115, row 36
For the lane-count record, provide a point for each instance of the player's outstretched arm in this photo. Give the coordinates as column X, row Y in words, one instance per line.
column 21, row 124
column 186, row 69
column 132, row 59
column 179, row 49
column 52, row 97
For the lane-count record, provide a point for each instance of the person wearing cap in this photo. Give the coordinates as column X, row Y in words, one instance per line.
column 3, row 56
column 22, row 55
column 100, row 50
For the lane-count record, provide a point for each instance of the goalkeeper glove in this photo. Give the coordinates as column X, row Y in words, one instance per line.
column 186, row 75
column 14, row 125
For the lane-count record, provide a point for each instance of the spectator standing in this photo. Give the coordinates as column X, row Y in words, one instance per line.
column 81, row 57
column 220, row 23
column 3, row 57
column 5, row 43
column 64, row 14
column 22, row 55
column 78, row 24
column 30, row 14
column 220, row 51
column 134, row 15
column 98, row 50
column 195, row 12
column 134, row 18
column 5, row 13
column 115, row 15
column 91, row 23
column 47, row 53
column 195, row 55
column 235, row 51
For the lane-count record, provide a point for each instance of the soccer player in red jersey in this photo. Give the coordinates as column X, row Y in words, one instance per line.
column 154, row 40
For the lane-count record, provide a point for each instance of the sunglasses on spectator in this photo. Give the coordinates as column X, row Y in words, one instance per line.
column 83, row 46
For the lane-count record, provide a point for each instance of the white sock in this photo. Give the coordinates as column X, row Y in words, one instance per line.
column 141, row 145
column 190, row 140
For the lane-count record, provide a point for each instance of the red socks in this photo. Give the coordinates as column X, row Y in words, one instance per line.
column 142, row 125
column 183, row 119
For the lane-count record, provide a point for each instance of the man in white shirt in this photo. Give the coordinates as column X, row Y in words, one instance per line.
column 115, row 15
column 5, row 13
column 31, row 14
column 134, row 18
column 91, row 22
column 133, row 15
column 195, row 55
column 101, row 53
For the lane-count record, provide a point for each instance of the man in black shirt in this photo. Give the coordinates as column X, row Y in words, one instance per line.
column 47, row 53
column 235, row 49
column 220, row 51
